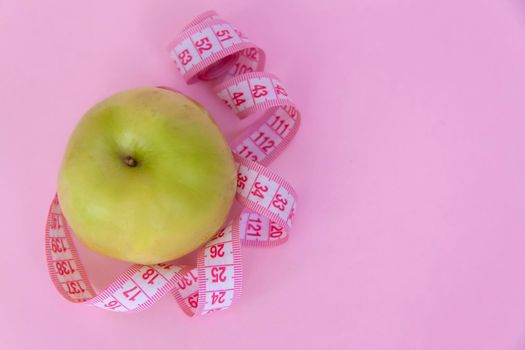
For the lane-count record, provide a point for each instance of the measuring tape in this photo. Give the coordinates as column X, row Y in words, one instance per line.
column 208, row 48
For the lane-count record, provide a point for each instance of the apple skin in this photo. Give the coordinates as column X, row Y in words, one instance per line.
column 147, row 176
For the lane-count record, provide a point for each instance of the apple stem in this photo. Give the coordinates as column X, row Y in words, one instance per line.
column 130, row 161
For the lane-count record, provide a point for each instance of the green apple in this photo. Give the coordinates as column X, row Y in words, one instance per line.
column 146, row 177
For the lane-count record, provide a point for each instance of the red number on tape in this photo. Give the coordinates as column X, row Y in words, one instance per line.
column 259, row 189
column 259, row 91
column 55, row 221
column 218, row 297
column 277, row 124
column 203, row 44
column 150, row 275
column 185, row 57
column 186, row 281
column 264, row 142
column 217, row 250
column 193, row 300
column 217, row 274
column 113, row 304
column 292, row 112
column 266, row 148
column 165, row 266
column 219, row 234
column 57, row 245
column 253, row 230
column 242, row 68
column 250, row 53
column 248, row 154
column 224, row 35
column 64, row 267
column 237, row 96
column 275, row 231
column 279, row 202
column 128, row 293
column 74, row 287
column 241, row 181
column 280, row 90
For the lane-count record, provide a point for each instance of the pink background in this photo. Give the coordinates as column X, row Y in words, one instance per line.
column 410, row 167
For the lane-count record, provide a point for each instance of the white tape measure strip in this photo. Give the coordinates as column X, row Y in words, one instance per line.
column 208, row 49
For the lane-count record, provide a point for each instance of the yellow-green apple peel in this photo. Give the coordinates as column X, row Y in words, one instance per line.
column 146, row 177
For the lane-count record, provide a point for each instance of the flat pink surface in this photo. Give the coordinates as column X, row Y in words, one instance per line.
column 410, row 167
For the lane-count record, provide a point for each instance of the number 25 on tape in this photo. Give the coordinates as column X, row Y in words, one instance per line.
column 218, row 274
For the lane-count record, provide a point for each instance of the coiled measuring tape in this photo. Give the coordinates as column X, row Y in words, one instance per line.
column 208, row 49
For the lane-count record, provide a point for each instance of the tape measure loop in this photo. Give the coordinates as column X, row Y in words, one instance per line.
column 208, row 49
